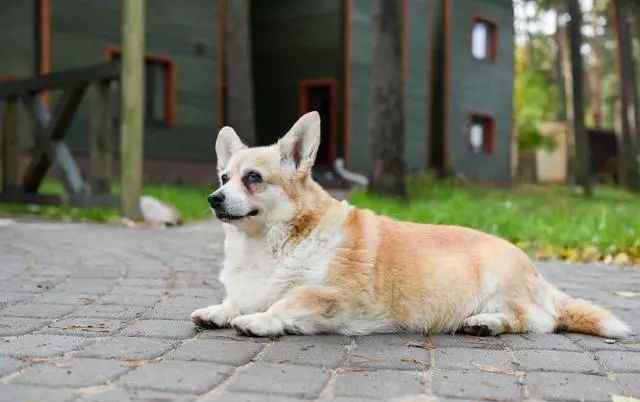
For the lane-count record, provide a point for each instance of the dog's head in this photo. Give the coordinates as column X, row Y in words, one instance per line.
column 258, row 186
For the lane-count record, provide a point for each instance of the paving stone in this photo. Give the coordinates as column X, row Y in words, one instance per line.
column 246, row 397
column 39, row 345
column 194, row 302
column 373, row 356
column 74, row 372
column 135, row 395
column 630, row 383
column 306, row 353
column 218, row 351
column 231, row 334
column 382, row 384
column 9, row 365
column 476, row 385
column 619, row 361
column 594, row 343
column 85, row 285
column 38, row 310
column 466, row 341
column 145, row 291
column 26, row 284
column 19, row 326
column 280, row 379
column 461, row 358
column 113, row 311
column 161, row 329
column 129, row 300
column 8, row 298
column 177, row 376
column 30, row 393
column 66, row 298
column 126, row 348
column 539, row 341
column 83, row 327
column 165, row 311
column 143, row 282
column 571, row 386
column 554, row 360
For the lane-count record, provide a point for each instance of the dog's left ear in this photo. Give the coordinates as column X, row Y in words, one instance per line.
column 227, row 144
column 299, row 147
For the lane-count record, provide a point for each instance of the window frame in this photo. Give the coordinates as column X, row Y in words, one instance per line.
column 113, row 52
column 489, row 138
column 493, row 34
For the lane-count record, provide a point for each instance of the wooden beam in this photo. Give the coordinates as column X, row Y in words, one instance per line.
column 9, row 151
column 45, row 152
column 132, row 107
column 60, row 80
column 101, row 139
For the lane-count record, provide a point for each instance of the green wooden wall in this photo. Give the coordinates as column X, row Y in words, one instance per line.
column 81, row 29
column 483, row 86
column 419, row 47
column 16, row 39
column 293, row 40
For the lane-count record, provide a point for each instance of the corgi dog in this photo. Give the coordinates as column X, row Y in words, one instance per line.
column 298, row 261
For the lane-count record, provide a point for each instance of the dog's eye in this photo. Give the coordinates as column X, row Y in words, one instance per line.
column 253, row 177
column 224, row 179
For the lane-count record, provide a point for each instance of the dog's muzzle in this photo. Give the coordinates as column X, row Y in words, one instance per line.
column 216, row 200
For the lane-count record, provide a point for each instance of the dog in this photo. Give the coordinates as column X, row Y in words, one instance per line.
column 298, row 261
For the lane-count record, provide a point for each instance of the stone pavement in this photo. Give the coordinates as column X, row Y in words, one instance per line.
column 100, row 313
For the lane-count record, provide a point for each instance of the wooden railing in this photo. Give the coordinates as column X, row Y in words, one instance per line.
column 49, row 135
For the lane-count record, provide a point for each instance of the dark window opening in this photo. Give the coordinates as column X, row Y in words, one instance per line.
column 320, row 95
column 481, row 134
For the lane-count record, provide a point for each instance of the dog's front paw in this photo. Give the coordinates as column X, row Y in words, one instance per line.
column 259, row 324
column 211, row 317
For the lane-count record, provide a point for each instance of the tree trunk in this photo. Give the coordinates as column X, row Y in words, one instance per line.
column 628, row 138
column 581, row 141
column 387, row 121
column 559, row 38
column 597, row 73
column 240, row 106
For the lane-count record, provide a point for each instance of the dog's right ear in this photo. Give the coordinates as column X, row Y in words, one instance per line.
column 227, row 144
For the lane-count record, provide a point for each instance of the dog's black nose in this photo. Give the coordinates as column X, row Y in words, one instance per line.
column 215, row 200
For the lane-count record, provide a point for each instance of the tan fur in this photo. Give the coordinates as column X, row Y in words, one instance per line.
column 307, row 263
column 582, row 316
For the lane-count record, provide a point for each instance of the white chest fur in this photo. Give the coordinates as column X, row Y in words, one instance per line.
column 259, row 271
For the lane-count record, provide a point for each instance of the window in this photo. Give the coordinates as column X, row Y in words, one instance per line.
column 160, row 76
column 481, row 134
column 484, row 39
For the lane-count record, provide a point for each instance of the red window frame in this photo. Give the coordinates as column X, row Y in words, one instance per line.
column 493, row 33
column 113, row 52
column 489, row 123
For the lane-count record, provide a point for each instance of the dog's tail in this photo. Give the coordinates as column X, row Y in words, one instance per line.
column 578, row 315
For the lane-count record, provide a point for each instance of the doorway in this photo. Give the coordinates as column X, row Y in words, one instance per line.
column 319, row 94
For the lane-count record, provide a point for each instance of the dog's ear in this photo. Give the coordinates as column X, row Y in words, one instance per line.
column 299, row 147
column 227, row 144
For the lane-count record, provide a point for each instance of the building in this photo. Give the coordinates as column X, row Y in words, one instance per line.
column 305, row 55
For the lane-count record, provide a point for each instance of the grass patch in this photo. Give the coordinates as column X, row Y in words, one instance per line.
column 546, row 221
column 190, row 201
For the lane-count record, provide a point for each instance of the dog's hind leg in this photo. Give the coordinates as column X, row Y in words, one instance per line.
column 306, row 310
column 489, row 324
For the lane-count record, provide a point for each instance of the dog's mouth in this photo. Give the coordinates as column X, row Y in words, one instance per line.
column 228, row 218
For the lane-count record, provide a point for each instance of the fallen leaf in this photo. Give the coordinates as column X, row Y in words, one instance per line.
column 627, row 294
column 369, row 358
column 415, row 361
column 422, row 345
column 493, row 369
column 621, row 398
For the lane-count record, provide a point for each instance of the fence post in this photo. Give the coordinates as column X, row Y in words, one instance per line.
column 100, row 138
column 9, row 150
column 132, row 104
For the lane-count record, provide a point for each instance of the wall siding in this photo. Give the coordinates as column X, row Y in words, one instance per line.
column 482, row 86
column 293, row 40
column 187, row 34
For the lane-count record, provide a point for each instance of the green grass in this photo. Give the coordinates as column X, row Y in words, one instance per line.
column 547, row 221
column 190, row 201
